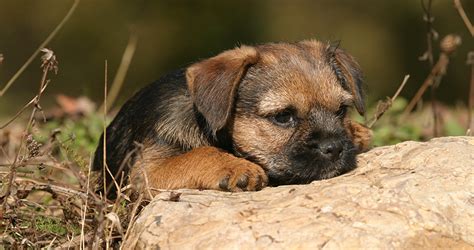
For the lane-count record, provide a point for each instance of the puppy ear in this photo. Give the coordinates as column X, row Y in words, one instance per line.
column 348, row 73
column 213, row 83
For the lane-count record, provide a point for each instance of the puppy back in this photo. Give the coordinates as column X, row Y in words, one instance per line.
column 154, row 115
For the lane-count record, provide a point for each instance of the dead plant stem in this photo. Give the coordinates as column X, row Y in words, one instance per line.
column 119, row 78
column 13, row 166
column 429, row 41
column 438, row 70
column 42, row 45
column 82, row 244
column 462, row 13
column 104, row 143
column 35, row 101
column 470, row 61
column 384, row 106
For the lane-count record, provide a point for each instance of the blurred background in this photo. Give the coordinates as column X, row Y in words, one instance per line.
column 386, row 37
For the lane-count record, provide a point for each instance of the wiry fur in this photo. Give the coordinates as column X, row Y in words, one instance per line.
column 215, row 125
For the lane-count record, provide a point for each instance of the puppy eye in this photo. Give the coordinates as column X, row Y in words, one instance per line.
column 285, row 118
column 341, row 113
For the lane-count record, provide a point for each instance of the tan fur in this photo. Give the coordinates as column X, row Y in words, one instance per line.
column 361, row 135
column 257, row 135
column 293, row 88
column 200, row 168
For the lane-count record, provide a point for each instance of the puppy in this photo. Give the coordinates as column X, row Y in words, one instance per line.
column 249, row 117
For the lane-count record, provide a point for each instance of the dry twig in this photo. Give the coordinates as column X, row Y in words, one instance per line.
column 133, row 215
column 99, row 234
column 83, row 216
column 42, row 45
column 119, row 78
column 448, row 46
column 383, row 106
column 470, row 61
column 26, row 106
column 462, row 13
column 47, row 65
column 104, row 131
column 431, row 35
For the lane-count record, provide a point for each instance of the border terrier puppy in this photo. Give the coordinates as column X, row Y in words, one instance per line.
column 249, row 117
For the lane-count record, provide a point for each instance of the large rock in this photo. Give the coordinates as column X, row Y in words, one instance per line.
column 410, row 195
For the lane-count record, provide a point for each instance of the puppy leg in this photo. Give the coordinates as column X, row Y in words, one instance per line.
column 202, row 168
column 361, row 135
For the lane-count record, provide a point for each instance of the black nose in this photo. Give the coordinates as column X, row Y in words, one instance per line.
column 331, row 149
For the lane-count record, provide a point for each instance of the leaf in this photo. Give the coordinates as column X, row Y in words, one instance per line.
column 113, row 217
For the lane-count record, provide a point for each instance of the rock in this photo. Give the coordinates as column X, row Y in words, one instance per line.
column 410, row 195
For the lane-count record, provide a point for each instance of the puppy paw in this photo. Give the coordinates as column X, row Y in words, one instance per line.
column 241, row 175
column 205, row 168
column 360, row 134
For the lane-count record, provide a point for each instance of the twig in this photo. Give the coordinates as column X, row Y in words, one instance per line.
column 54, row 189
column 448, row 45
column 125, row 161
column 48, row 64
column 74, row 242
column 82, row 244
column 133, row 216
column 104, row 128
column 147, row 185
column 98, row 231
column 470, row 124
column 113, row 219
column 431, row 35
column 117, row 186
column 382, row 106
column 462, row 13
column 42, row 45
column 51, row 243
column 33, row 101
column 119, row 78
column 405, row 80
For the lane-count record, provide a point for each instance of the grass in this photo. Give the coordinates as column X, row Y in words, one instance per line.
column 49, row 193
column 395, row 127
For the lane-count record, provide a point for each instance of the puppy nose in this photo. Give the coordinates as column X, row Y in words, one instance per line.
column 331, row 150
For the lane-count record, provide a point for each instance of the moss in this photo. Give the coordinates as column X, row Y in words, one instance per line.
column 50, row 225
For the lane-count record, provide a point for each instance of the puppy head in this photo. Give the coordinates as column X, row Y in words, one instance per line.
column 284, row 106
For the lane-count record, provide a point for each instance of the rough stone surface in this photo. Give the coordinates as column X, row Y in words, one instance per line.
column 410, row 195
